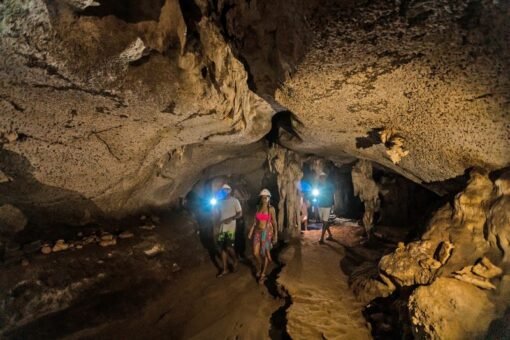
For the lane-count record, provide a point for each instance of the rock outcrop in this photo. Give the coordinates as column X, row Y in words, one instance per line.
column 499, row 219
column 366, row 189
column 287, row 166
column 12, row 220
column 98, row 102
column 450, row 309
column 457, row 265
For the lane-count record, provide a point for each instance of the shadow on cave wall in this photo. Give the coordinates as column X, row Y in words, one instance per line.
column 50, row 210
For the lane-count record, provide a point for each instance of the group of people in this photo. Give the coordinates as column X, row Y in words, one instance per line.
column 263, row 231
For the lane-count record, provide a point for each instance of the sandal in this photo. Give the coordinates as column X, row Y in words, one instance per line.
column 262, row 278
column 221, row 274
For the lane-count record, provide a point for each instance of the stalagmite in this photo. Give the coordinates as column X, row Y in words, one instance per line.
column 366, row 188
column 499, row 218
column 287, row 166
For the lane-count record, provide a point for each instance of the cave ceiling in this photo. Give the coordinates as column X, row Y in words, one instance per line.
column 120, row 101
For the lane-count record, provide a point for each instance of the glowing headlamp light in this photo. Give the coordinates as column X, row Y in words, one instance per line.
column 213, row 201
column 315, row 192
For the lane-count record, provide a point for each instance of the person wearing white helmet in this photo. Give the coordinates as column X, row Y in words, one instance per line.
column 229, row 209
column 263, row 233
column 325, row 201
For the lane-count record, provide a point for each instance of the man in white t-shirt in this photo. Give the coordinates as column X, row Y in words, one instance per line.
column 229, row 209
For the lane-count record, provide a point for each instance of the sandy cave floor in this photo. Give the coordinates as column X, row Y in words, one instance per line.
column 141, row 299
column 323, row 306
column 236, row 307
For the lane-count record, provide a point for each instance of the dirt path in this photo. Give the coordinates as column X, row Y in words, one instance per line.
column 199, row 306
column 323, row 306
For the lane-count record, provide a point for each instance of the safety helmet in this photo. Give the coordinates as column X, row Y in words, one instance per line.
column 226, row 187
column 265, row 192
column 322, row 174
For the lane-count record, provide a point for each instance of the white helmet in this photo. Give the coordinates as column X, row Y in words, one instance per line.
column 323, row 174
column 265, row 192
column 226, row 187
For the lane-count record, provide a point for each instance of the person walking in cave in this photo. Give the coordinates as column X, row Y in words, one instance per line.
column 263, row 234
column 229, row 209
column 303, row 210
column 325, row 201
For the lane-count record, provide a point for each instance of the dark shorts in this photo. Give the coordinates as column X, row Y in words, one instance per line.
column 225, row 240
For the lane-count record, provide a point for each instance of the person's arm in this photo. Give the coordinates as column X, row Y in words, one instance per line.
column 274, row 225
column 250, row 234
column 239, row 210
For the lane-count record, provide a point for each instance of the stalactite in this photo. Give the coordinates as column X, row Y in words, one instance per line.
column 287, row 166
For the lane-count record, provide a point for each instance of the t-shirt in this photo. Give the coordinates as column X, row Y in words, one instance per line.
column 228, row 208
column 326, row 192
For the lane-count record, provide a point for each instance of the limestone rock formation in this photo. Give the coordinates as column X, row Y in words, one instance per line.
column 94, row 99
column 479, row 274
column 454, row 238
column 456, row 264
column 4, row 178
column 411, row 264
column 498, row 220
column 450, row 309
column 366, row 189
column 12, row 219
column 394, row 145
column 421, row 69
column 287, row 166
column 368, row 283
column 113, row 96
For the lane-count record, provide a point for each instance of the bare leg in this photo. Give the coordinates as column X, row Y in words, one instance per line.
column 268, row 256
column 224, row 260
column 233, row 254
column 328, row 230
column 263, row 273
column 325, row 226
column 256, row 254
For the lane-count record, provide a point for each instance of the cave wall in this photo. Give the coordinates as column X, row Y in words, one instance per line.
column 113, row 108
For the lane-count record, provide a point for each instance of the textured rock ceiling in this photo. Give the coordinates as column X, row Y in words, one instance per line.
column 433, row 72
column 126, row 103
